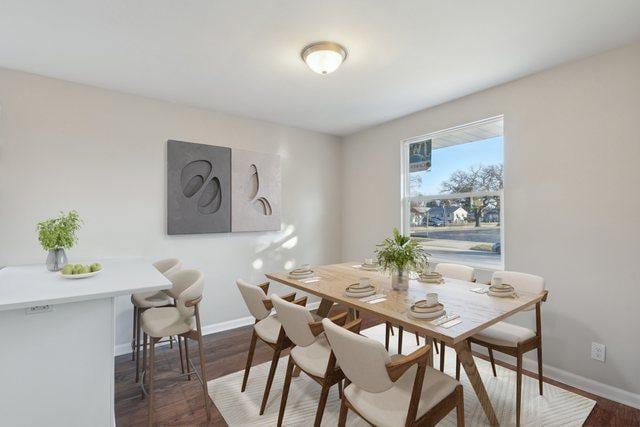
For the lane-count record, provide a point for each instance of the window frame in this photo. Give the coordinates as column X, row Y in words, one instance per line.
column 406, row 198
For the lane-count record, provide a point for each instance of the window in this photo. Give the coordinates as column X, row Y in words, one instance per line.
column 452, row 197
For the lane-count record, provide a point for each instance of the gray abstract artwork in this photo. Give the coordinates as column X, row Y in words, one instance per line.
column 255, row 191
column 198, row 188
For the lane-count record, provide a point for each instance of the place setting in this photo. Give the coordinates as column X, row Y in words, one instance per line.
column 427, row 275
column 433, row 310
column 501, row 290
column 369, row 264
column 304, row 273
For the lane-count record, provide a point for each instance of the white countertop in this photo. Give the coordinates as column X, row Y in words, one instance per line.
column 30, row 285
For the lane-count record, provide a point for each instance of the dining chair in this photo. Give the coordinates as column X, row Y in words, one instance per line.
column 267, row 327
column 385, row 391
column 182, row 320
column 145, row 300
column 311, row 352
column 512, row 339
column 458, row 272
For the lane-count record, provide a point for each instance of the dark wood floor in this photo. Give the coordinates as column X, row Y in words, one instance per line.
column 180, row 402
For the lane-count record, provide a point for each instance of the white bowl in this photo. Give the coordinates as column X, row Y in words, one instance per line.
column 79, row 276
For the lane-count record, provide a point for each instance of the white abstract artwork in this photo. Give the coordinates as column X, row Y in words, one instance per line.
column 255, row 191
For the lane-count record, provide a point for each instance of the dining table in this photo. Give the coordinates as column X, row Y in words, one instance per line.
column 476, row 311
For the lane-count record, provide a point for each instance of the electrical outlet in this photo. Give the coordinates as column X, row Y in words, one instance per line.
column 598, row 351
column 39, row 309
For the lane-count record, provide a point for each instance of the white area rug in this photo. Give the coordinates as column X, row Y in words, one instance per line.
column 557, row 407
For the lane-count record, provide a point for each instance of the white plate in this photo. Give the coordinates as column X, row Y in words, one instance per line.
column 369, row 267
column 360, row 294
column 427, row 315
column 301, row 276
column 79, row 276
column 501, row 294
column 431, row 281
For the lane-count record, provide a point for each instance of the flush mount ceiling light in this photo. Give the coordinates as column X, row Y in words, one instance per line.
column 323, row 57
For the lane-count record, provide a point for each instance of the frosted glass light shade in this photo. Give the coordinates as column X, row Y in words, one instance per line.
column 324, row 57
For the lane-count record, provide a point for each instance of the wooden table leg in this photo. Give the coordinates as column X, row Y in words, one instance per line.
column 324, row 308
column 469, row 365
column 427, row 341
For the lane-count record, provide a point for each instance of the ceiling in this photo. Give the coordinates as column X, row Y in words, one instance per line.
column 243, row 57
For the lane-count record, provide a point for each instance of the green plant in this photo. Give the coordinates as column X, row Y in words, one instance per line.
column 399, row 253
column 60, row 232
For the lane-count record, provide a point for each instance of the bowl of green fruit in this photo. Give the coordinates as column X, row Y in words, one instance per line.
column 80, row 271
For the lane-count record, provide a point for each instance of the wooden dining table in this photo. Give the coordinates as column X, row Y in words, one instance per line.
column 477, row 311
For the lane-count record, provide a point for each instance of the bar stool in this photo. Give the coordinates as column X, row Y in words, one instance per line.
column 145, row 300
column 160, row 322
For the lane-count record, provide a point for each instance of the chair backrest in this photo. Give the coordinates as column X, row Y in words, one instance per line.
column 253, row 297
column 362, row 359
column 168, row 266
column 455, row 271
column 521, row 281
column 295, row 320
column 188, row 285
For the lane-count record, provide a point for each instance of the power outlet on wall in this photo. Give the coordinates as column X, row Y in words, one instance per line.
column 598, row 351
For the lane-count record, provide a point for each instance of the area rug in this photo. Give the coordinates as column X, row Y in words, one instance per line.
column 558, row 407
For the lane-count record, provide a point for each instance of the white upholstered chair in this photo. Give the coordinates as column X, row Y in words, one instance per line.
column 182, row 320
column 512, row 339
column 311, row 352
column 457, row 272
column 391, row 392
column 145, row 300
column 267, row 327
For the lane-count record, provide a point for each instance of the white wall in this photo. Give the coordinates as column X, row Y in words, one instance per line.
column 572, row 154
column 66, row 146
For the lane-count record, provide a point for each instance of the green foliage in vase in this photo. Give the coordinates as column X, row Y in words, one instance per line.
column 399, row 253
column 60, row 232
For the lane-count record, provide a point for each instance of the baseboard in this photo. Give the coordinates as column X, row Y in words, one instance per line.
column 590, row 386
column 213, row 328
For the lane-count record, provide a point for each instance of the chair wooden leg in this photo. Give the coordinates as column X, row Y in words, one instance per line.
column 247, row 368
column 171, row 342
column 417, row 339
column 181, row 354
column 459, row 406
column 518, row 387
column 400, row 334
column 285, row 390
column 138, row 331
column 145, row 340
column 134, row 340
column 393, row 334
column 324, row 394
column 152, row 363
column 203, row 372
column 272, row 372
column 493, row 362
column 342, row 421
column 386, row 335
column 435, row 344
column 457, row 368
column 540, row 367
column 340, row 389
column 187, row 361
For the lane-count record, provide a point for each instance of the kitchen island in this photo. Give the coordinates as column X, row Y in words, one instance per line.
column 57, row 357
